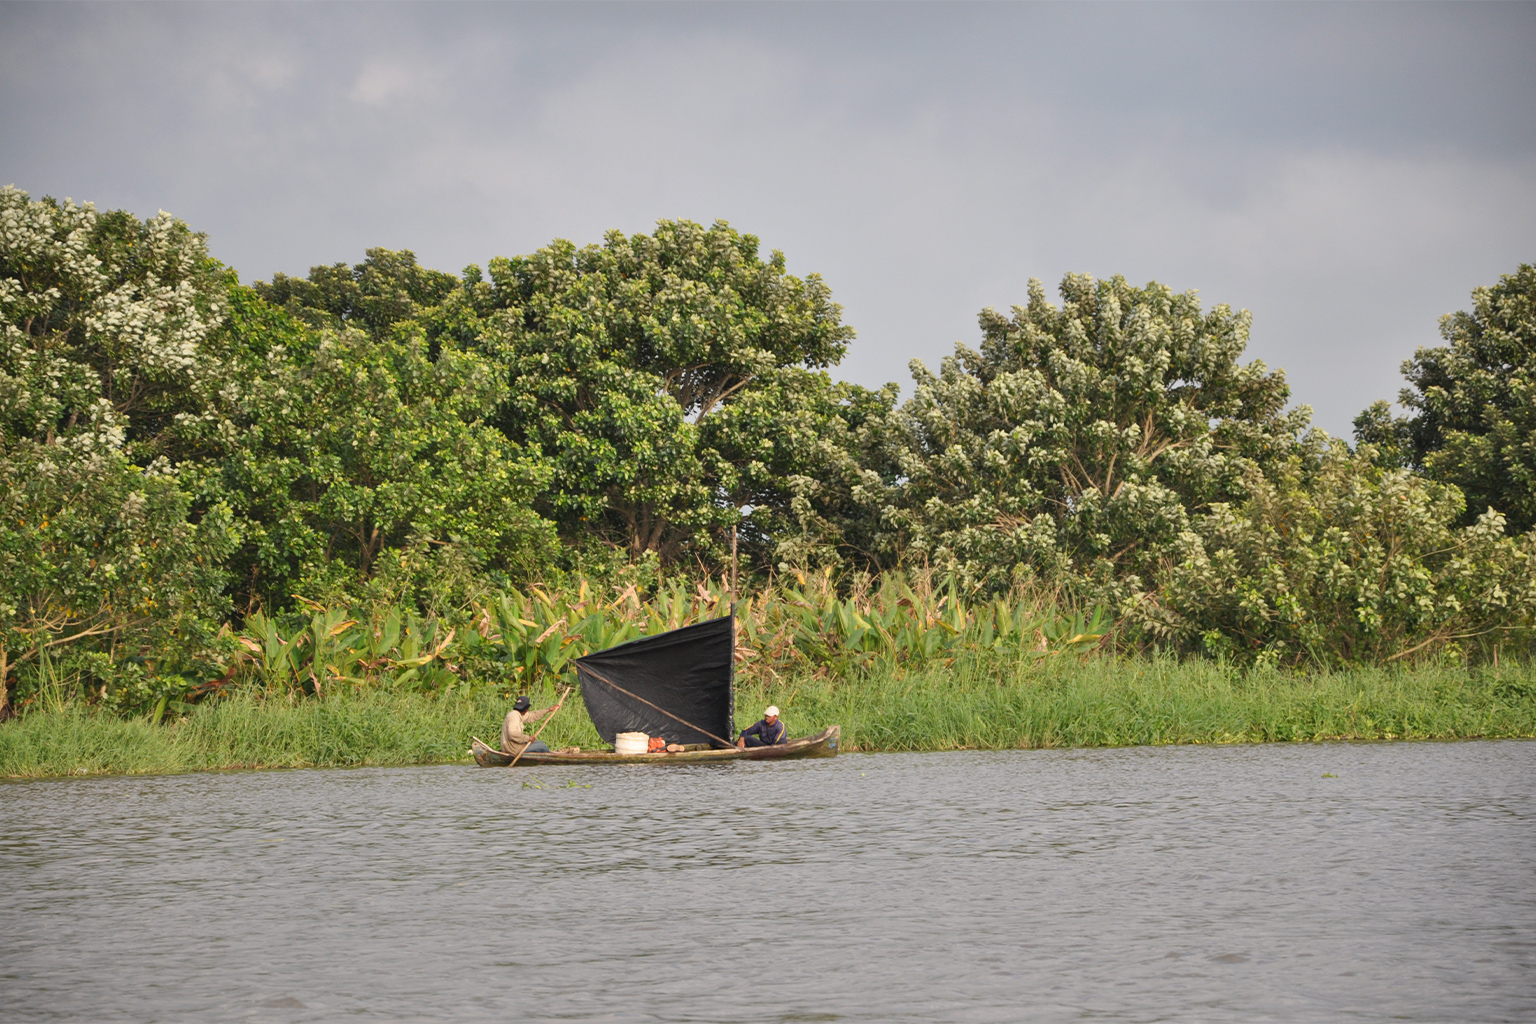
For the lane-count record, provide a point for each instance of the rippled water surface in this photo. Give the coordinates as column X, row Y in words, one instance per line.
column 1333, row 882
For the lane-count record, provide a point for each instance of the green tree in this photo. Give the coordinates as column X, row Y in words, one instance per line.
column 1472, row 402
column 335, row 447
column 792, row 449
column 102, row 308
column 1076, row 443
column 648, row 369
column 98, row 558
column 111, row 331
column 387, row 287
column 1389, row 435
column 1333, row 559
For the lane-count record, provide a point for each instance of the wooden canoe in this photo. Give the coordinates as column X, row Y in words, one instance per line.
column 823, row 744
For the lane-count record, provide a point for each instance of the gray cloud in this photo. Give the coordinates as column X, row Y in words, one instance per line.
column 1348, row 173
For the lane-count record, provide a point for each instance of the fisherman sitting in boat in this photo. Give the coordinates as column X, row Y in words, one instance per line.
column 514, row 740
column 767, row 732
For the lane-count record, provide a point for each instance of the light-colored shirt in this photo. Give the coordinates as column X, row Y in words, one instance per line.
column 514, row 735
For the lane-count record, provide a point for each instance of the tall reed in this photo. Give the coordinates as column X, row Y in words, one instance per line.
column 982, row 701
column 987, row 702
column 252, row 731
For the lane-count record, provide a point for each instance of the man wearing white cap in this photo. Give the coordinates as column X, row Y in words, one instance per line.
column 769, row 732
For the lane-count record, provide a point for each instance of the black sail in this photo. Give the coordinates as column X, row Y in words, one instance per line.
column 684, row 676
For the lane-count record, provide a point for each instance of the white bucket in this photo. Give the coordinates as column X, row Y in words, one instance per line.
column 631, row 743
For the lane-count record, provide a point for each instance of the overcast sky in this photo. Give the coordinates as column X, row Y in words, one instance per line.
column 1348, row 173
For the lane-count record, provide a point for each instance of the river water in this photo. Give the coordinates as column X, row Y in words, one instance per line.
column 1329, row 882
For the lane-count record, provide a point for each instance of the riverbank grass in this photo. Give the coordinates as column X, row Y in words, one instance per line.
column 973, row 704
column 986, row 704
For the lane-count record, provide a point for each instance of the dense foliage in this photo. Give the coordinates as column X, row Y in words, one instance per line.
column 670, row 379
column 109, row 338
column 1472, row 403
column 1332, row 559
column 1076, row 444
column 384, row 474
column 353, row 461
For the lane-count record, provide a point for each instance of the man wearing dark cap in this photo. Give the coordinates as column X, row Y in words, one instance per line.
column 514, row 736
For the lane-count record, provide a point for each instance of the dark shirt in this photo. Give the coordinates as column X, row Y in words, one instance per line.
column 771, row 735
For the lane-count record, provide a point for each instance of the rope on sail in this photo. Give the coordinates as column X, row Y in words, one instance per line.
column 605, row 680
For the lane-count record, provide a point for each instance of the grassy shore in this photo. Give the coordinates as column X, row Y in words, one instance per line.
column 982, row 703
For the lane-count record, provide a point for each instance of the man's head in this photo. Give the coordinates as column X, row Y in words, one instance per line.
column 772, row 714
column 521, row 704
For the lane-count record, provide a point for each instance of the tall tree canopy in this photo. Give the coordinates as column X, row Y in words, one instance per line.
column 109, row 323
column 1472, row 402
column 645, row 369
column 108, row 337
column 1078, row 440
column 334, row 446
column 387, row 287
column 664, row 382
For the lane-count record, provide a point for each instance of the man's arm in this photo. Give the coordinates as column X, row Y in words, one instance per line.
column 533, row 716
